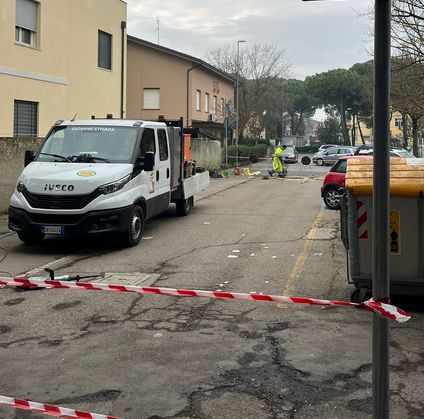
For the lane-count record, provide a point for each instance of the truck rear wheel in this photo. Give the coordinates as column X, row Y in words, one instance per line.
column 184, row 206
column 31, row 238
column 132, row 236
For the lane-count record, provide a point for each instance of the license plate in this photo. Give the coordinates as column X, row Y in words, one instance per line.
column 53, row 230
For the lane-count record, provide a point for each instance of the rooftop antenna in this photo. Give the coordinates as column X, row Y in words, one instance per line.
column 158, row 27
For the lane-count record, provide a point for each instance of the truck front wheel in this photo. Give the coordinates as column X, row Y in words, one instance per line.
column 184, row 206
column 31, row 238
column 132, row 236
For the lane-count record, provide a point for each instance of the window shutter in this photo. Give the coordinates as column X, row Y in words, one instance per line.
column 26, row 14
column 105, row 50
column 25, row 121
column 151, row 99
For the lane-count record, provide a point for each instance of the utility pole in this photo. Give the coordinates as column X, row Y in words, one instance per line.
column 157, row 27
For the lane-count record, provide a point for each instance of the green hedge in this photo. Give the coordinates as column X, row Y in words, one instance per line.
column 251, row 142
column 244, row 153
column 307, row 149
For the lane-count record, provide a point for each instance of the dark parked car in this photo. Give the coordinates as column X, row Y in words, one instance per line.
column 290, row 154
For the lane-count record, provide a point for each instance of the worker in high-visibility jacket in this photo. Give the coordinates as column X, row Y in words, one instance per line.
column 277, row 160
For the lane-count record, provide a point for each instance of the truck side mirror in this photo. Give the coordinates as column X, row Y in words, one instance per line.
column 29, row 157
column 149, row 161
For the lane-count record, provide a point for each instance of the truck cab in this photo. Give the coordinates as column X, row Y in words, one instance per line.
column 102, row 176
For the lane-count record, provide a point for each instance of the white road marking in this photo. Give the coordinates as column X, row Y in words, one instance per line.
column 58, row 262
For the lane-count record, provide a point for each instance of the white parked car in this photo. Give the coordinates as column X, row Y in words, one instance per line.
column 331, row 155
column 326, row 146
column 394, row 152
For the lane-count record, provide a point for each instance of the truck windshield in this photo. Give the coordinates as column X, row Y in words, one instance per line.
column 94, row 144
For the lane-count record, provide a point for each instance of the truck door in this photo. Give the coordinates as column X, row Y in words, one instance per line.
column 163, row 169
column 158, row 195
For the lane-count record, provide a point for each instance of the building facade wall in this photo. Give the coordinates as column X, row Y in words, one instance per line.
column 178, row 80
column 395, row 129
column 148, row 68
column 60, row 71
column 208, row 83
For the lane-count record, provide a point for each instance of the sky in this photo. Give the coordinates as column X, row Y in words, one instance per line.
column 317, row 36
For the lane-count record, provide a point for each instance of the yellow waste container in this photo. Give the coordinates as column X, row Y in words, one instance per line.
column 406, row 234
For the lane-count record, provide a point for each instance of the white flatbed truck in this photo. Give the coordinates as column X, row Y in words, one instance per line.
column 103, row 176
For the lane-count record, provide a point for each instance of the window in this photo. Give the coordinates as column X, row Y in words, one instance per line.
column 398, row 123
column 151, row 98
column 25, row 121
column 206, row 102
column 198, row 98
column 88, row 143
column 163, row 145
column 340, row 167
column 104, row 53
column 214, row 103
column 221, row 111
column 26, row 22
column 147, row 141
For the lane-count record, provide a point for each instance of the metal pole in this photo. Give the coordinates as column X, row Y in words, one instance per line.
column 123, row 26
column 282, row 115
column 381, row 205
column 237, row 102
column 237, row 99
column 226, row 140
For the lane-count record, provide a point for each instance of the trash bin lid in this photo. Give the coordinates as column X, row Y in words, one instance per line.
column 406, row 176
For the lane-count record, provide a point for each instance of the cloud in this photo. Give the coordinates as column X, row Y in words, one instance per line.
column 317, row 36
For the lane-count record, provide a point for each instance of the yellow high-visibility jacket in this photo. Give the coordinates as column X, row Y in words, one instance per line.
column 276, row 162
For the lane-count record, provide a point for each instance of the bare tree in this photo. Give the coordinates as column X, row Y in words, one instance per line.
column 408, row 93
column 408, row 29
column 259, row 68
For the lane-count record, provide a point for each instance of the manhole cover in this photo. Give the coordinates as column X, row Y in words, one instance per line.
column 128, row 278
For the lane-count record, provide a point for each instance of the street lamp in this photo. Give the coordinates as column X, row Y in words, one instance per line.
column 237, row 98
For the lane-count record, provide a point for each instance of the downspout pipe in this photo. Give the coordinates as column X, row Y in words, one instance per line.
column 123, row 27
column 188, row 91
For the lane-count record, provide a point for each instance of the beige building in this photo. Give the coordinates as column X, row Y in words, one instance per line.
column 162, row 81
column 60, row 58
column 395, row 129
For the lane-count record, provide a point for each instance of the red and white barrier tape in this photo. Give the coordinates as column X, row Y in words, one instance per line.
column 50, row 410
column 248, row 158
column 381, row 308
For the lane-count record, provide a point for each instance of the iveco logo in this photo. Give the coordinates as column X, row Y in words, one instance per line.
column 50, row 187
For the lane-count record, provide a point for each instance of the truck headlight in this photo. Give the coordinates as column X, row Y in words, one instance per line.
column 20, row 187
column 114, row 186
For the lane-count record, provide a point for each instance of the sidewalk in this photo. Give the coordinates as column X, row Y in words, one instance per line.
column 3, row 225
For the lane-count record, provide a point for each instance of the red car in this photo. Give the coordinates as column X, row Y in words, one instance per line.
column 333, row 183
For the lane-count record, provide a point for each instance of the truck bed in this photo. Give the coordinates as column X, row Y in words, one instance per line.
column 191, row 186
column 195, row 184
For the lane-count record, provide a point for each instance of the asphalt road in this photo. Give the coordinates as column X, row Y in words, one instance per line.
column 146, row 356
